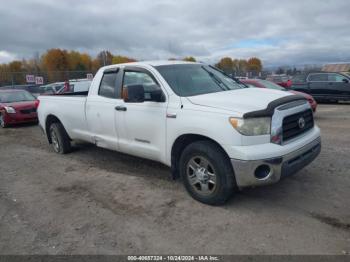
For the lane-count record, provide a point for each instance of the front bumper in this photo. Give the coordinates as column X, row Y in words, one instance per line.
column 245, row 170
column 20, row 118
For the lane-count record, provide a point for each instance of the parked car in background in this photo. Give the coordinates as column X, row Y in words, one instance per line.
column 35, row 90
column 17, row 106
column 281, row 80
column 323, row 86
column 53, row 88
column 171, row 112
column 241, row 77
column 80, row 85
column 267, row 84
column 76, row 85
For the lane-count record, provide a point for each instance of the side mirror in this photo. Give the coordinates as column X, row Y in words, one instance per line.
column 134, row 94
column 157, row 96
column 346, row 80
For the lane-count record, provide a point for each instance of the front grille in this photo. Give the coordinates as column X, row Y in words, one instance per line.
column 297, row 124
column 28, row 111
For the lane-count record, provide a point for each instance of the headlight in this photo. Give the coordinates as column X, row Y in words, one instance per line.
column 10, row 110
column 252, row 126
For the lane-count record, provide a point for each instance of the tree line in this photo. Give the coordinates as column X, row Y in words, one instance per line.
column 240, row 67
column 59, row 65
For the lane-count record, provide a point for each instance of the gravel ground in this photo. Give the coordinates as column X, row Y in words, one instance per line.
column 95, row 201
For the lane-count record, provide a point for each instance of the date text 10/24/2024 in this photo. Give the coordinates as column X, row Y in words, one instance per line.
column 173, row 258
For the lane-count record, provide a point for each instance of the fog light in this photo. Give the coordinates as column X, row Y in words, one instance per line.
column 262, row 171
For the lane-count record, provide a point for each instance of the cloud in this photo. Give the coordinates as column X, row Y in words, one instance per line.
column 6, row 57
column 279, row 32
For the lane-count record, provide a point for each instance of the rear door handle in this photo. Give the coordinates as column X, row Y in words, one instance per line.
column 120, row 108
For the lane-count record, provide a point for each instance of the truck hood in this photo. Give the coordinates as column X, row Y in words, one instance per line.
column 241, row 100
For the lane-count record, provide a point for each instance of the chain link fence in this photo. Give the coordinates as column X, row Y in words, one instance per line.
column 13, row 79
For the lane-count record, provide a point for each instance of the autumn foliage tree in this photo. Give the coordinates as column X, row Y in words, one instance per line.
column 78, row 61
column 105, row 58
column 56, row 61
column 225, row 64
column 240, row 67
column 189, row 59
column 59, row 65
column 122, row 59
column 254, row 65
column 15, row 66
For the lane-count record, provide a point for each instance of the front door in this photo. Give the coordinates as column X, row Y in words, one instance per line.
column 318, row 84
column 339, row 85
column 142, row 128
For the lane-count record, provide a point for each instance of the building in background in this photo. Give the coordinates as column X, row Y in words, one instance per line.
column 339, row 68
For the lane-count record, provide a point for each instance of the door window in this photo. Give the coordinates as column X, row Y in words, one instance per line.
column 144, row 79
column 108, row 86
column 298, row 79
column 335, row 78
column 318, row 78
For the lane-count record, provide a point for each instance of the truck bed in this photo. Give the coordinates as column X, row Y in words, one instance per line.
column 82, row 94
column 69, row 108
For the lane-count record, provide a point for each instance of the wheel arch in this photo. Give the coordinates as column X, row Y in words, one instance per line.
column 181, row 143
column 50, row 119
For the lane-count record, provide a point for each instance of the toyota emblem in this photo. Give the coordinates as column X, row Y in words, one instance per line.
column 301, row 122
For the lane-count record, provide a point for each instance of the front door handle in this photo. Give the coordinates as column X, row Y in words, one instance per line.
column 120, row 108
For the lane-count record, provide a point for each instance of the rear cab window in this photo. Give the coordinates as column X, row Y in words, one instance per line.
column 110, row 84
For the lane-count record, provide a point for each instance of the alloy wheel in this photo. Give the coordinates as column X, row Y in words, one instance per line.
column 55, row 141
column 201, row 175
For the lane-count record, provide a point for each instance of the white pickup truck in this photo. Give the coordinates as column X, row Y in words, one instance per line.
column 213, row 131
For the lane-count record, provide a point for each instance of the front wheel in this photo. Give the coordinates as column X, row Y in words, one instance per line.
column 59, row 139
column 207, row 173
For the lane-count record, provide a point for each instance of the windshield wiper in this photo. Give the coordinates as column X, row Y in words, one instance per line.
column 231, row 77
column 217, row 80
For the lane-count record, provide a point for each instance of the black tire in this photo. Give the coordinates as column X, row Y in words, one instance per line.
column 59, row 139
column 2, row 122
column 218, row 163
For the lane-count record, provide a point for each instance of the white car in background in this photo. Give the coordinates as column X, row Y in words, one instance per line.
column 80, row 85
column 75, row 85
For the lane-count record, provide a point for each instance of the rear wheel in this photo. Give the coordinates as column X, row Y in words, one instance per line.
column 2, row 121
column 207, row 173
column 59, row 139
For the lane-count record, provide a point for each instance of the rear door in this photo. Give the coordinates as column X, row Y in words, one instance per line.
column 339, row 85
column 100, row 109
column 318, row 84
column 142, row 126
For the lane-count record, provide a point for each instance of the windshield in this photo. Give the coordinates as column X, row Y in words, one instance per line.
column 196, row 79
column 271, row 85
column 15, row 96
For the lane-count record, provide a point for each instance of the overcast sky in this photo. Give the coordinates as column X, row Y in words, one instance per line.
column 280, row 32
